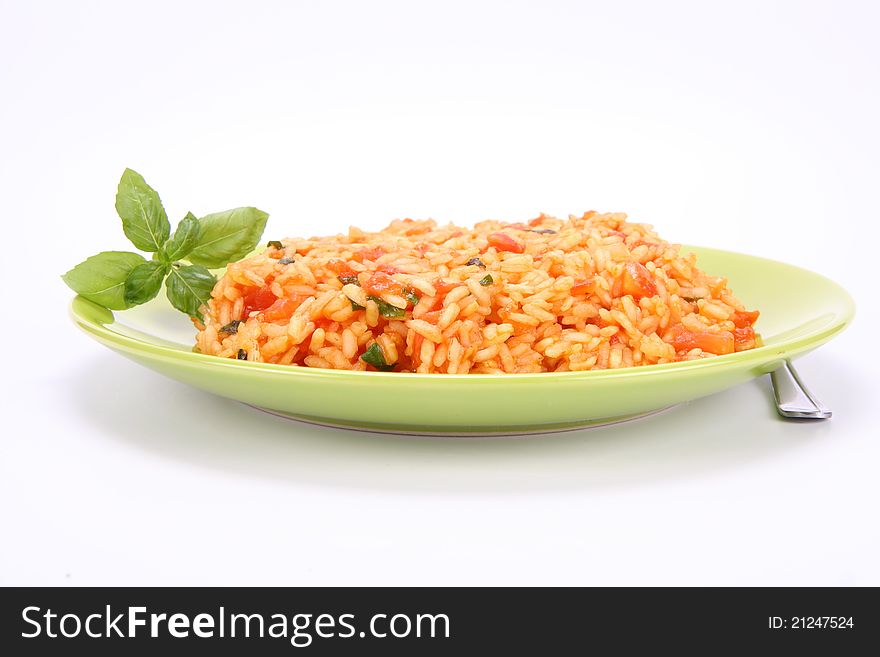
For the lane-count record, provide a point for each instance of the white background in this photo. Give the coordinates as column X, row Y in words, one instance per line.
column 746, row 126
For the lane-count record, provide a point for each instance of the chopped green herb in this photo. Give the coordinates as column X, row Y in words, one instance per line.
column 286, row 261
column 242, row 354
column 411, row 296
column 544, row 231
column 274, row 244
column 487, row 280
column 231, row 328
column 356, row 306
column 475, row 261
column 374, row 356
column 387, row 310
column 348, row 279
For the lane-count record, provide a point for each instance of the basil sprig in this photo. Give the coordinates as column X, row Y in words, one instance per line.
column 120, row 279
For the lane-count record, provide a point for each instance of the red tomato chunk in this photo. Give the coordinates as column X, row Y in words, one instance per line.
column 719, row 343
column 583, row 285
column 281, row 309
column 744, row 318
column 504, row 242
column 381, row 282
column 744, row 338
column 638, row 281
column 258, row 298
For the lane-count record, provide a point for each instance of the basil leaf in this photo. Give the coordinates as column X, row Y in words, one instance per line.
column 189, row 287
column 387, row 310
column 374, row 356
column 185, row 238
column 228, row 236
column 411, row 296
column 487, row 280
column 143, row 218
column 144, row 282
column 101, row 278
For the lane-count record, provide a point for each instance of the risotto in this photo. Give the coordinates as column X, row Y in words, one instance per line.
column 551, row 295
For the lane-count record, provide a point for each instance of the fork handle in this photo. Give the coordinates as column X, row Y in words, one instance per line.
column 792, row 397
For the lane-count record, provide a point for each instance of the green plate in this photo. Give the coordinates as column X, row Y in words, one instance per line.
column 800, row 310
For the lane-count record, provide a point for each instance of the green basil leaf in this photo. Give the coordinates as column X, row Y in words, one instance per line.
column 387, row 310
column 185, row 238
column 189, row 287
column 143, row 218
column 374, row 356
column 228, row 236
column 487, row 280
column 101, row 278
column 144, row 282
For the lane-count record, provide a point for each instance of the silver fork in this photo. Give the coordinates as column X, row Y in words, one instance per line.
column 793, row 400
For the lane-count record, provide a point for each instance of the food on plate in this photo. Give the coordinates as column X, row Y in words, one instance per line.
column 550, row 295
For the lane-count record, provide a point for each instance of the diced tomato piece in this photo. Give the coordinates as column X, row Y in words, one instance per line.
column 443, row 287
column 744, row 338
column 684, row 340
column 369, row 254
column 258, row 298
column 504, row 242
column 417, row 350
column 537, row 220
column 744, row 318
column 281, row 309
column 340, row 267
column 381, row 282
column 388, row 269
column 637, row 281
column 583, row 286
